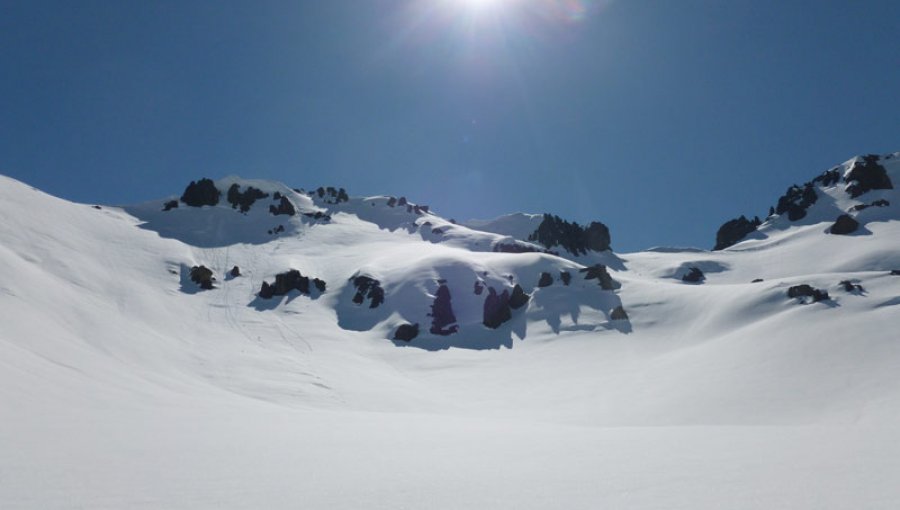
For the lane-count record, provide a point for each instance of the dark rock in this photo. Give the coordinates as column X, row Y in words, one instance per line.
column 202, row 276
column 496, row 308
column 245, row 199
column 402, row 202
column 97, row 207
column 828, row 178
column 757, row 280
column 518, row 298
column 796, row 201
column 392, row 202
column 277, row 195
column 804, row 290
column 618, row 314
column 284, row 207
column 546, row 280
column 598, row 272
column 895, row 272
column 171, row 204
column 554, row 231
column 406, row 332
column 368, row 288
column 844, row 225
column 735, row 230
column 442, row 317
column 519, row 248
column 877, row 203
column 565, row 277
column 320, row 191
column 850, row 286
column 286, row 282
column 479, row 288
column 319, row 215
column 342, row 196
column 200, row 193
column 235, row 272
column 867, row 175
column 319, row 284
column 694, row 275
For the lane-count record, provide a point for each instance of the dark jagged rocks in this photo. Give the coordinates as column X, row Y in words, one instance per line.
column 406, row 332
column 851, row 287
column 331, row 195
column 496, row 308
column 520, row 248
column 618, row 314
column 235, row 272
column 546, row 280
column 244, row 200
column 598, row 272
column 518, row 298
column 828, row 178
column 844, row 225
column 284, row 207
column 554, row 231
column 565, row 277
column 479, row 288
column 318, row 215
column 867, row 175
column 895, row 272
column 171, row 204
column 200, row 193
column 757, row 280
column 796, row 201
column 368, row 288
column 442, row 318
column 694, row 275
column 277, row 230
column 288, row 281
column 202, row 276
column 877, row 203
column 735, row 230
column 804, row 290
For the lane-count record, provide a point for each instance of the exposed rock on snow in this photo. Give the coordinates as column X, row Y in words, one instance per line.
column 202, row 276
column 443, row 321
column 368, row 288
column 694, row 275
column 284, row 207
column 546, row 280
column 598, row 272
column 288, row 281
column 518, row 298
column 734, row 230
column 406, row 332
column 496, row 308
column 618, row 314
column 804, row 290
column 844, row 225
column 554, row 231
column 866, row 176
column 200, row 193
column 244, row 200
column 169, row 205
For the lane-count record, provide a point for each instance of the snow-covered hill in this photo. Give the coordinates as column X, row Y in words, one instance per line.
column 125, row 383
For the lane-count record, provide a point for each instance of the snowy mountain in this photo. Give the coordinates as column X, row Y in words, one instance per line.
column 246, row 344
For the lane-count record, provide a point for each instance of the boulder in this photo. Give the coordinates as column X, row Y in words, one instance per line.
column 618, row 314
column 200, row 193
column 518, row 298
column 202, row 276
column 804, row 290
column 694, row 275
column 244, row 200
column 895, row 272
column 442, row 318
column 368, row 288
column 171, row 204
column 546, row 280
column 286, row 282
column 496, row 308
column 406, row 332
column 867, row 175
column 844, row 225
column 796, row 200
column 565, row 277
column 235, row 272
column 850, row 286
column 284, row 207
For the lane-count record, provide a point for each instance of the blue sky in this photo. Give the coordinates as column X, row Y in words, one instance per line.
column 662, row 119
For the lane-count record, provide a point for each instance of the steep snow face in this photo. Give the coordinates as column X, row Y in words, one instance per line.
column 129, row 385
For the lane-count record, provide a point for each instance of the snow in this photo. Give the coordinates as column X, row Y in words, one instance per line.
column 124, row 386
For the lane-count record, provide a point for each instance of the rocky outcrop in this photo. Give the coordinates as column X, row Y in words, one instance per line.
column 368, row 288
column 518, row 298
column 200, row 193
column 546, row 280
column 496, row 308
column 202, row 276
column 554, row 231
column 519, row 248
column 406, row 332
column 288, row 281
column 851, row 287
column 844, row 225
column 876, row 203
column 565, row 277
column 443, row 321
column 618, row 314
column 171, row 204
column 331, row 195
column 244, row 200
column 796, row 200
column 694, row 275
column 866, row 176
column 284, row 207
column 735, row 230
column 235, row 272
column 804, row 291
column 598, row 272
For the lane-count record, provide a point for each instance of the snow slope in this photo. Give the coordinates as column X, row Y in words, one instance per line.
column 125, row 385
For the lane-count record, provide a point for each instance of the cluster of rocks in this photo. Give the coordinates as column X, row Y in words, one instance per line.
column 734, row 230
column 277, row 230
column 876, row 203
column 693, row 275
column 554, row 231
column 849, row 286
column 288, row 281
column 284, row 207
column 202, row 276
column 318, row 215
column 804, row 291
column 367, row 288
column 796, row 200
column 498, row 307
column 866, row 176
column 331, row 195
column 243, row 199
column 200, row 193
column 520, row 248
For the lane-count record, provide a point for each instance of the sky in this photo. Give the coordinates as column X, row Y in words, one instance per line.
column 661, row 119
